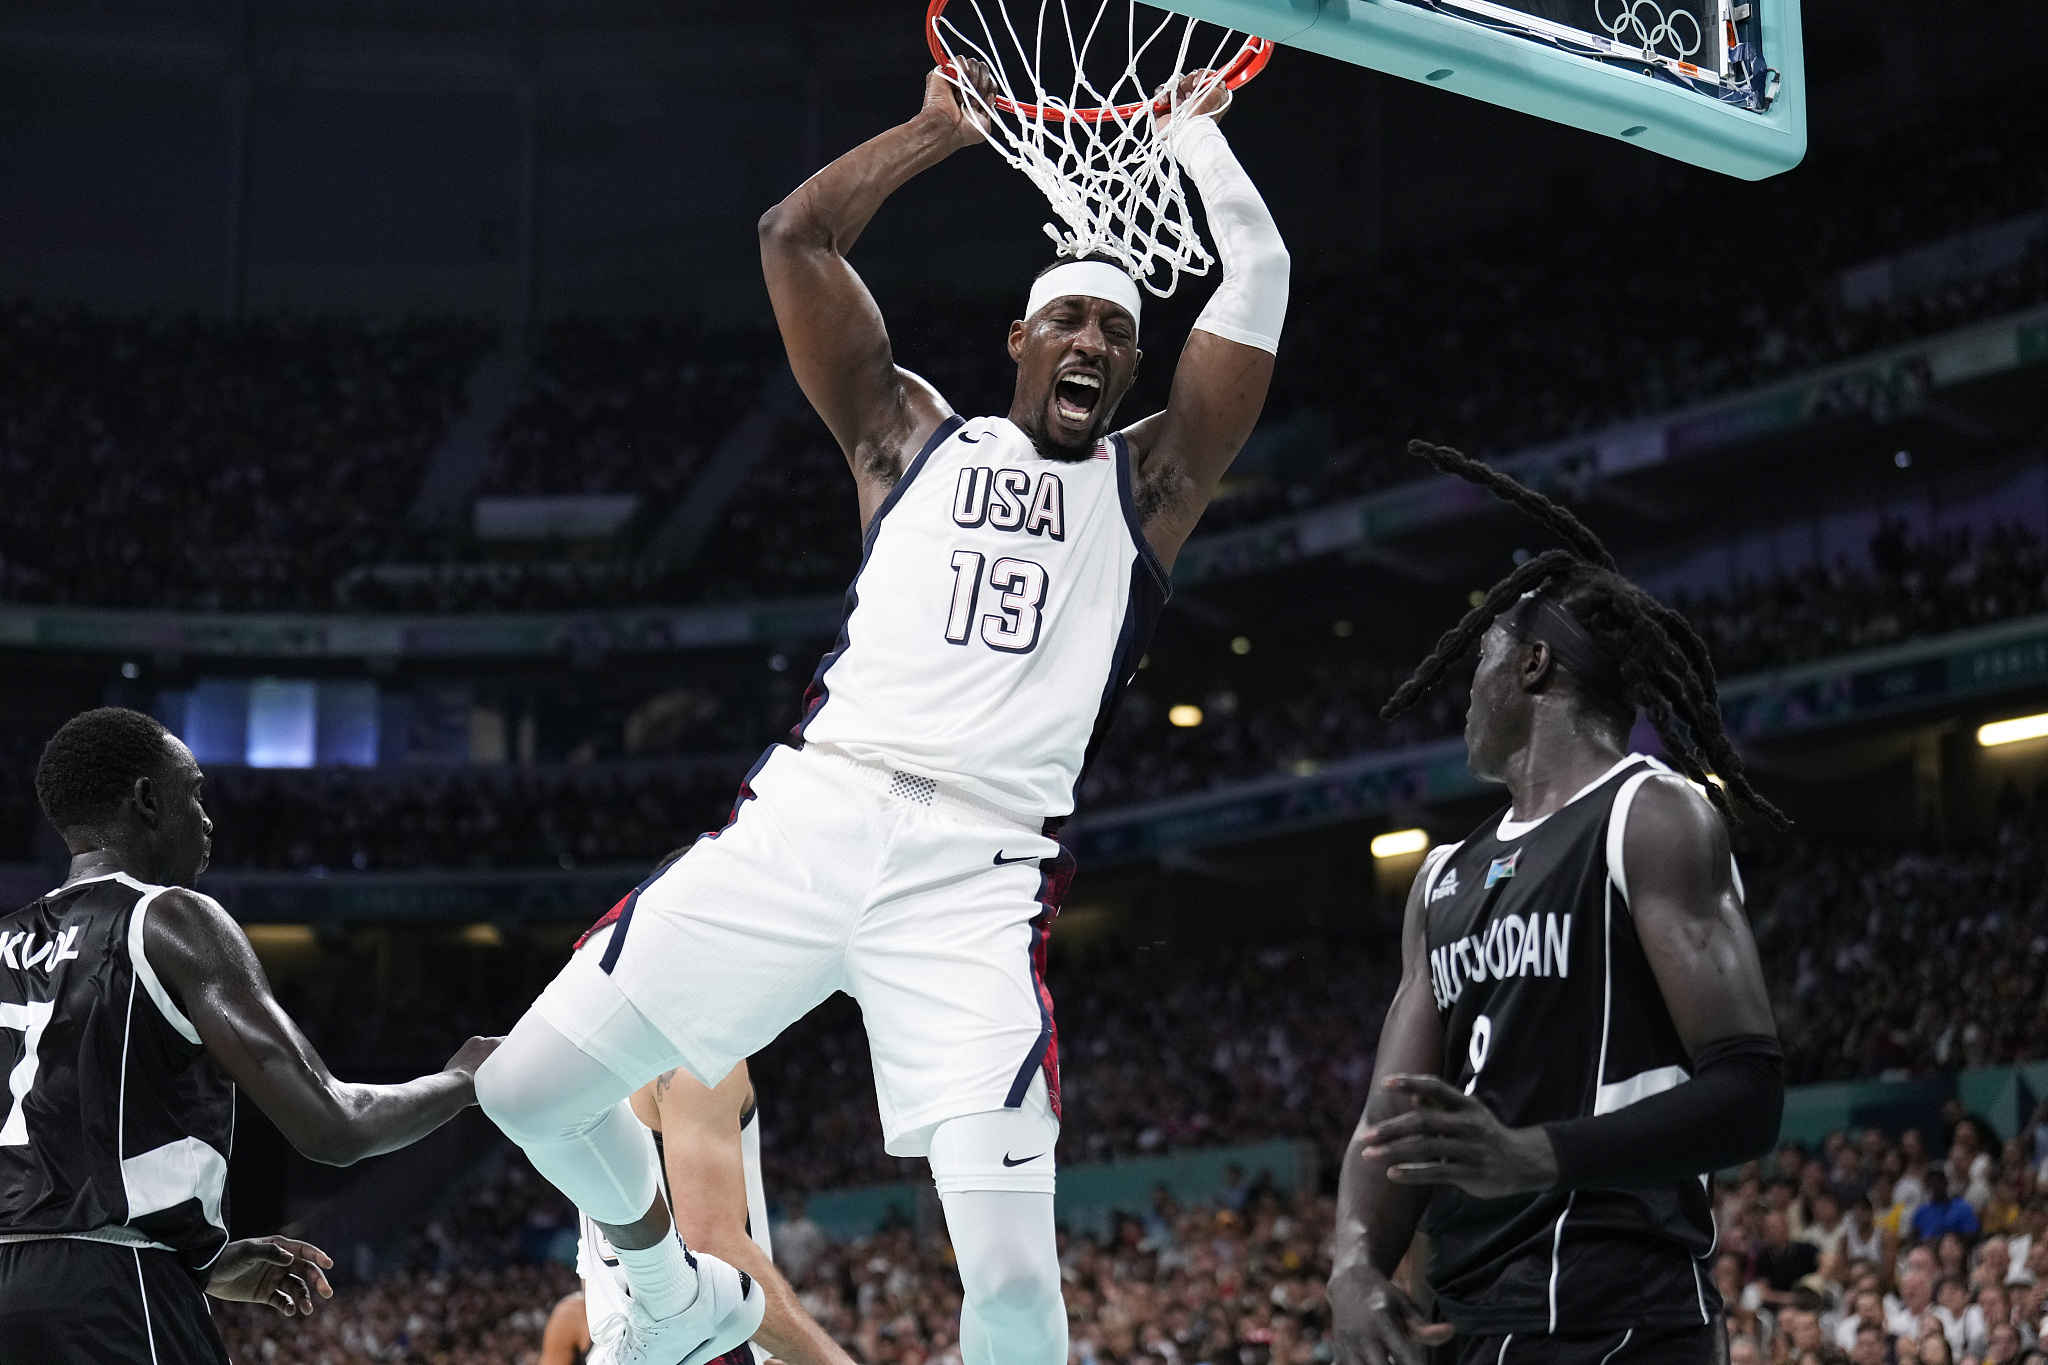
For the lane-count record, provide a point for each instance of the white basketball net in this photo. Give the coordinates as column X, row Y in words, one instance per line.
column 1114, row 180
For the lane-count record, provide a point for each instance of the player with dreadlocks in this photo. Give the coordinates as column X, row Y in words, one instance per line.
column 1582, row 1030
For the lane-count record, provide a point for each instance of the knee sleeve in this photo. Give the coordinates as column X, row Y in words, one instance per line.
column 540, row 1085
column 1008, row 1255
column 567, row 1111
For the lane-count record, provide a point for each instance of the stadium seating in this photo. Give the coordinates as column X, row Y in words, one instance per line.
column 1491, row 342
column 221, row 465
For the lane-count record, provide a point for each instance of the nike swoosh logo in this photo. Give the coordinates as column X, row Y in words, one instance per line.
column 1008, row 1161
column 971, row 440
column 1001, row 861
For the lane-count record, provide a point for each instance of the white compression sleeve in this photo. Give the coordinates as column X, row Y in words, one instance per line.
column 1007, row 1250
column 1251, row 302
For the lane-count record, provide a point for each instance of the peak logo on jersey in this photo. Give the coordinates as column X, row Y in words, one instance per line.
column 1006, row 500
column 1500, row 869
column 1540, row 945
column 20, row 952
column 1446, row 888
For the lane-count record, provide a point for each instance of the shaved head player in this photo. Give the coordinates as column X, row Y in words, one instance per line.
column 899, row 846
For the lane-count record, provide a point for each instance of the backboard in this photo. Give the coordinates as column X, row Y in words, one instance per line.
column 1718, row 83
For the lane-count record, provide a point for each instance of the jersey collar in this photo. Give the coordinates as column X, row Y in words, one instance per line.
column 1512, row 829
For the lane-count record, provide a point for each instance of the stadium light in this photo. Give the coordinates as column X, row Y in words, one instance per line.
column 2012, row 731
column 1185, row 716
column 1400, row 843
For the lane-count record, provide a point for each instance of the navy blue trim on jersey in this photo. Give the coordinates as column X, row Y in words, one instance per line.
column 1126, row 478
column 816, row 695
column 1141, row 616
column 1148, row 596
column 622, row 921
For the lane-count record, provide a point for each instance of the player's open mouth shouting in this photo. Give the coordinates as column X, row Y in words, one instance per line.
column 1075, row 394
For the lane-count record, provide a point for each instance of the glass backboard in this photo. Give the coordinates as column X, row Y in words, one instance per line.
column 1718, row 83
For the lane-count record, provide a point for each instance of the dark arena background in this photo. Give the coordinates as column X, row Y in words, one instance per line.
column 390, row 404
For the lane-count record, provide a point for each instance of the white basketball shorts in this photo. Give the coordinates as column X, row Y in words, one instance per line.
column 927, row 906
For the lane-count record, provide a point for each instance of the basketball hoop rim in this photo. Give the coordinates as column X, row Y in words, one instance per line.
column 1250, row 60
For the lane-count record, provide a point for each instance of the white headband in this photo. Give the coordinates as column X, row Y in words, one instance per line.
column 1096, row 279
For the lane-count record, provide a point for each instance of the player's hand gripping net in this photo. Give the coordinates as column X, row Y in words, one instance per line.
column 1098, row 146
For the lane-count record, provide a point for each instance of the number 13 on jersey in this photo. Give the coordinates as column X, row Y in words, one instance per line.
column 1013, row 627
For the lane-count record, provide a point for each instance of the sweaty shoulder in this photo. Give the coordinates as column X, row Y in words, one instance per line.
column 1673, row 836
column 190, row 939
column 181, row 907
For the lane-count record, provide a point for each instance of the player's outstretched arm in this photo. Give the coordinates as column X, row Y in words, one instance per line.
column 204, row 959
column 700, row 1142
column 1376, row 1219
column 1679, row 886
column 837, row 342
column 1219, row 387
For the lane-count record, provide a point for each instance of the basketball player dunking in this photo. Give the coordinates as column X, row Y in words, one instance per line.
column 1582, row 1031
column 898, row 846
column 130, row 1010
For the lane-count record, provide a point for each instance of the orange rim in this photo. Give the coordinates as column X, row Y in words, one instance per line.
column 1250, row 60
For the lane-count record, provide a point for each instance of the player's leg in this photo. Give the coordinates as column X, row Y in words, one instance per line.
column 994, row 1173
column 567, row 1110
column 705, row 963
column 946, row 968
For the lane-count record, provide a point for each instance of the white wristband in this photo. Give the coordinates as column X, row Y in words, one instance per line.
column 1250, row 303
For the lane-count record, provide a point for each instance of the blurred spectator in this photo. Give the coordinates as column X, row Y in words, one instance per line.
column 336, row 819
column 1943, row 1213
column 626, row 405
column 798, row 1242
column 1911, row 589
column 195, row 462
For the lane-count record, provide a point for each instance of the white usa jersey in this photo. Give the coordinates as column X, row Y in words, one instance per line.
column 1002, row 604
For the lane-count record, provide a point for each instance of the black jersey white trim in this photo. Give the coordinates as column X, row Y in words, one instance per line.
column 189, row 1168
column 1511, row 829
column 142, row 1292
column 139, row 960
column 1617, row 1346
column 1557, row 1254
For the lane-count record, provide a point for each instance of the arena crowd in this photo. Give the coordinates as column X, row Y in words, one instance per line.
column 291, row 451
column 1924, row 1247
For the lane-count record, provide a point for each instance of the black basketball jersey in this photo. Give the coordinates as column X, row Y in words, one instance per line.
column 115, row 1123
column 1550, row 1011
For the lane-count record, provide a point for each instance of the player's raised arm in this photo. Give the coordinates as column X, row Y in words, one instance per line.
column 1376, row 1219
column 1219, row 387
column 204, row 959
column 837, row 342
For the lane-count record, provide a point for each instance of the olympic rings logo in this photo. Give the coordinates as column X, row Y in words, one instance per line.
column 1657, row 31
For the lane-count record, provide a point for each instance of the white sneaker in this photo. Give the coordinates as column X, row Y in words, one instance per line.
column 726, row 1312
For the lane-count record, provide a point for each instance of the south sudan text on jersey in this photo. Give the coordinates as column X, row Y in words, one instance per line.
column 1540, row 945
